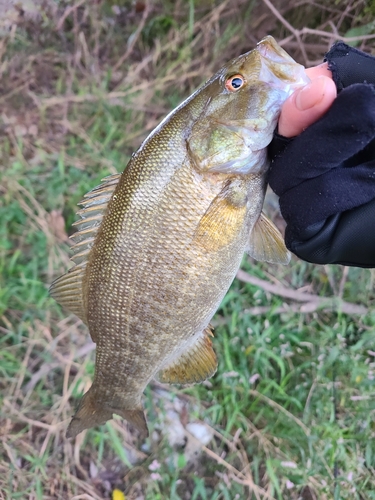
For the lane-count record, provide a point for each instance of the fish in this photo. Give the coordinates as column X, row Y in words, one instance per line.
column 158, row 246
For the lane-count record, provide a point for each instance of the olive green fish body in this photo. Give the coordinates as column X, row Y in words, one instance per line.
column 152, row 288
column 158, row 247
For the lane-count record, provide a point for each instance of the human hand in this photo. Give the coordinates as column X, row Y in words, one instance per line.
column 308, row 104
column 329, row 208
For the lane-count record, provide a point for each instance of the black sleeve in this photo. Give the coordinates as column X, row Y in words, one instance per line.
column 346, row 238
column 329, row 206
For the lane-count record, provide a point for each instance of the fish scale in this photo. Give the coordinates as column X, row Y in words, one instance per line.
column 158, row 246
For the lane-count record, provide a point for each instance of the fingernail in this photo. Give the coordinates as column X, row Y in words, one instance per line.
column 311, row 95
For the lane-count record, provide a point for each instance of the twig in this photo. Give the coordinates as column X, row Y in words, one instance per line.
column 295, row 32
column 67, row 13
column 327, row 34
column 86, row 486
column 345, row 272
column 309, row 396
column 22, row 372
column 10, row 454
column 236, row 473
column 6, row 97
column 247, row 468
column 51, row 428
column 333, row 303
column 273, row 403
column 135, row 37
column 277, row 14
column 56, row 101
column 331, row 281
column 48, row 367
column 306, row 308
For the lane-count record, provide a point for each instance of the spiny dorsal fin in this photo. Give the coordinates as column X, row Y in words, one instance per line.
column 67, row 290
column 266, row 243
column 193, row 366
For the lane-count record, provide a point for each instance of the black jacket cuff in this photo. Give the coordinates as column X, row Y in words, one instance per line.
column 349, row 65
column 336, row 240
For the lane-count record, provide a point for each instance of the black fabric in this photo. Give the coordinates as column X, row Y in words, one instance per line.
column 325, row 177
column 277, row 146
column 349, row 65
column 347, row 238
column 319, row 182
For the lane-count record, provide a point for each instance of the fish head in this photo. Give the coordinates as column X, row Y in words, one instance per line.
column 240, row 106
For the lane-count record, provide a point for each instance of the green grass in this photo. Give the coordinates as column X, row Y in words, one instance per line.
column 289, row 414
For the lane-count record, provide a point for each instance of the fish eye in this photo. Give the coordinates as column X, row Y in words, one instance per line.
column 234, row 83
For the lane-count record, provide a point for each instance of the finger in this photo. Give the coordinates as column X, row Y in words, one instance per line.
column 320, row 70
column 306, row 106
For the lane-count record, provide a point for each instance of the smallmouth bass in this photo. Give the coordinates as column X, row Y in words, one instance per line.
column 158, row 246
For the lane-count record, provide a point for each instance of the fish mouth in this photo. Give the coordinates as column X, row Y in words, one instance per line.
column 278, row 68
column 270, row 49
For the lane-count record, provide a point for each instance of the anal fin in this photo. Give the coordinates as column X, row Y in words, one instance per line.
column 266, row 243
column 193, row 366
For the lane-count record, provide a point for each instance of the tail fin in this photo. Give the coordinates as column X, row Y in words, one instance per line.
column 135, row 417
column 90, row 413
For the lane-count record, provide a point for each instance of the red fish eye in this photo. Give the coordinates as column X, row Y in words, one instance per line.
column 234, row 83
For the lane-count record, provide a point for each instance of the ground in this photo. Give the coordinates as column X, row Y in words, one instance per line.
column 289, row 414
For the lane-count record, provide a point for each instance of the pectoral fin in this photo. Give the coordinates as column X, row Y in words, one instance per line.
column 223, row 219
column 193, row 366
column 266, row 243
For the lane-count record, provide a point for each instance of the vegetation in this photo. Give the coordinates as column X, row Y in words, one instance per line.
column 290, row 412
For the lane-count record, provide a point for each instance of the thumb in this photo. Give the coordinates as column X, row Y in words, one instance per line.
column 306, row 106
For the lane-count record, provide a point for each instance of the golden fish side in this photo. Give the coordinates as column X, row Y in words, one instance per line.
column 158, row 247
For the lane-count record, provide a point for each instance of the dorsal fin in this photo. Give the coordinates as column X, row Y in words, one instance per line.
column 67, row 290
column 266, row 243
column 193, row 366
